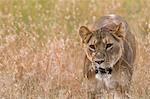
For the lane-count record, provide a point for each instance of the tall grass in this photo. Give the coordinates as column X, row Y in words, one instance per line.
column 40, row 52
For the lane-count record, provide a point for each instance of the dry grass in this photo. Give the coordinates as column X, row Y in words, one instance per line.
column 40, row 53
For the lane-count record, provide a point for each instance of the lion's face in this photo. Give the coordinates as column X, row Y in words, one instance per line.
column 103, row 47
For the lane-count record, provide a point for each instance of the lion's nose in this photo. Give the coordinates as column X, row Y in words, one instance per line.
column 99, row 61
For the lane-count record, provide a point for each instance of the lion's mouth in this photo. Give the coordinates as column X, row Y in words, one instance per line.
column 103, row 71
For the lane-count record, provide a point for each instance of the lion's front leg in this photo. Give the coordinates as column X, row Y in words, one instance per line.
column 120, row 95
column 91, row 95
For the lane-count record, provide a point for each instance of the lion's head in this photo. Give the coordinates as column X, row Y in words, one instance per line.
column 103, row 47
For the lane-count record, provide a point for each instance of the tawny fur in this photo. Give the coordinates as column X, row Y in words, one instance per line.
column 122, row 69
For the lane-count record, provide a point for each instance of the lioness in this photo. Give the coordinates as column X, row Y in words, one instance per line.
column 110, row 54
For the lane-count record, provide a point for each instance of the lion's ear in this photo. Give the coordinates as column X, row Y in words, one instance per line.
column 85, row 34
column 119, row 32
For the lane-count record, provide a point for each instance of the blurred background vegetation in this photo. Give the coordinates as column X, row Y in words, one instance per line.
column 40, row 51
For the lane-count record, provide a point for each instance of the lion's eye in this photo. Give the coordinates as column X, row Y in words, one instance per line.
column 92, row 47
column 109, row 45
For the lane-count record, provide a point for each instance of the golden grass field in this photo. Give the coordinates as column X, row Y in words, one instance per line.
column 41, row 56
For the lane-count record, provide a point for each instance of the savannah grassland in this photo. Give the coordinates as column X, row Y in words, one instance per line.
column 40, row 51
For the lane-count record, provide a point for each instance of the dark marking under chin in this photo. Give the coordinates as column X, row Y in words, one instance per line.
column 103, row 71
